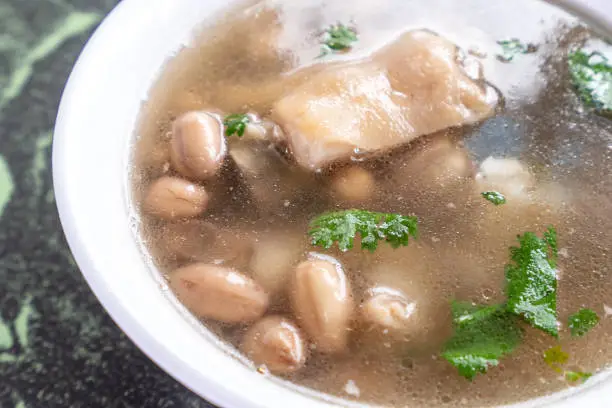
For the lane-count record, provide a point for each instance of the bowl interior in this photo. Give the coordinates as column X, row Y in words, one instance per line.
column 95, row 125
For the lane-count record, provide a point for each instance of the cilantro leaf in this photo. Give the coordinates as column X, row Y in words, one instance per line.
column 574, row 376
column 235, row 124
column 337, row 38
column 591, row 75
column 495, row 197
column 555, row 358
column 582, row 321
column 342, row 227
column 483, row 334
column 532, row 281
column 514, row 47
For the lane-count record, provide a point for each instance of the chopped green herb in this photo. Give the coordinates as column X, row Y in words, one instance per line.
column 550, row 236
column 592, row 77
column 483, row 334
column 532, row 281
column 338, row 38
column 555, row 358
column 582, row 321
column 495, row 197
column 342, row 227
column 235, row 124
column 574, row 376
column 514, row 47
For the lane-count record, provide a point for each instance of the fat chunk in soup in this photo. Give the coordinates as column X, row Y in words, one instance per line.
column 413, row 87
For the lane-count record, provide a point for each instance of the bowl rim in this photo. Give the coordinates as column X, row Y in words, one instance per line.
column 216, row 392
column 208, row 386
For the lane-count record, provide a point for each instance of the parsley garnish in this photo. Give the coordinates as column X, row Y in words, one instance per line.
column 483, row 334
column 555, row 358
column 532, row 281
column 513, row 47
column 582, row 321
column 495, row 197
column 592, row 77
column 337, row 38
column 235, row 124
column 342, row 227
column 573, row 376
column 550, row 236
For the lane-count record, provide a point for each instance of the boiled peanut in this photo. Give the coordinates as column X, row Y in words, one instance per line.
column 218, row 292
column 272, row 262
column 277, row 343
column 322, row 302
column 441, row 164
column 173, row 197
column 199, row 240
column 353, row 184
column 197, row 147
column 388, row 309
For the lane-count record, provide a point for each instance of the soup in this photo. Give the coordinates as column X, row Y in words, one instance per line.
column 401, row 203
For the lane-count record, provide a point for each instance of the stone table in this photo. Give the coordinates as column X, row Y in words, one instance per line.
column 58, row 347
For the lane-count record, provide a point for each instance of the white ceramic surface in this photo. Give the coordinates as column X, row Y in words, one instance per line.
column 95, row 123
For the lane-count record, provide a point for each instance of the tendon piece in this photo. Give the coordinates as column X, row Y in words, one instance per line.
column 413, row 87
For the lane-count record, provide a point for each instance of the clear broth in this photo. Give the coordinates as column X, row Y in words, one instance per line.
column 464, row 240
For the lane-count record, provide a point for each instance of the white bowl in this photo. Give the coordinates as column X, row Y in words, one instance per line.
column 95, row 124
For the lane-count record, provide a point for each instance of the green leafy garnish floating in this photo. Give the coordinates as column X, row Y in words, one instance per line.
column 338, row 38
column 574, row 376
column 342, row 227
column 495, row 197
column 514, row 47
column 483, row 334
column 582, row 321
column 550, row 236
column 555, row 358
column 532, row 280
column 235, row 124
column 592, row 77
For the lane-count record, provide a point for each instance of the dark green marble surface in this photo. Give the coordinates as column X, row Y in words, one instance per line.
column 58, row 347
